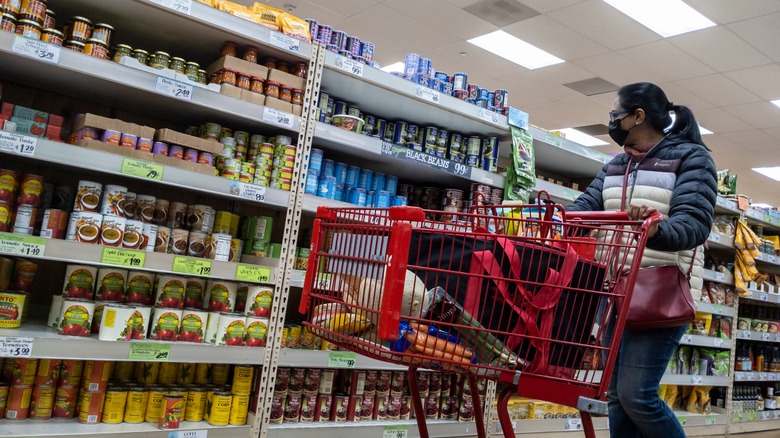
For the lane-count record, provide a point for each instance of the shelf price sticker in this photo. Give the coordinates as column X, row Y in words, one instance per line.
column 682, row 419
column 173, row 88
column 252, row 192
column 718, row 342
column 434, row 162
column 17, row 143
column 395, row 432
column 183, row 6
column 572, row 424
column 350, row 66
column 188, row 434
column 719, row 276
column 765, row 336
column 745, row 334
column 428, row 94
column 555, row 140
column 191, row 266
column 18, row 245
column 518, row 118
column 709, row 420
column 279, row 118
column 686, row 339
column 717, row 308
column 123, row 257
column 148, row 351
column 762, row 377
column 284, row 42
column 696, row 380
column 15, row 346
column 36, row 49
column 142, row 169
column 763, row 296
column 342, row 359
column 489, row 116
column 253, row 274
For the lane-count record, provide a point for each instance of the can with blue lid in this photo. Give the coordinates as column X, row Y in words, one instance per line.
column 357, row 196
column 456, row 143
column 490, row 147
column 398, row 201
column 391, row 184
column 483, row 92
column 400, row 134
column 413, row 135
column 324, row 34
column 491, row 99
column 381, row 199
column 312, row 182
column 440, row 75
column 367, row 51
column 315, row 161
column 425, row 67
column 369, row 126
column 353, row 174
column 441, row 143
column 460, row 81
column 378, row 181
column 340, row 172
column 379, row 130
column 460, row 94
column 353, row 45
column 432, row 83
column 326, row 187
column 411, row 64
column 370, row 198
column 364, row 181
column 501, row 99
column 473, row 90
column 328, row 168
column 481, row 102
column 314, row 28
column 339, row 39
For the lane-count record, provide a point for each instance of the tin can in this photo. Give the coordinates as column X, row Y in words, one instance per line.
column 162, row 239
column 144, row 145
column 219, row 414
column 169, row 291
column 173, row 405
column 195, row 406
column 96, row 375
column 12, row 308
column 117, row 323
column 202, row 372
column 76, row 317
column 239, row 407
column 148, row 237
column 256, row 331
column 167, row 375
column 155, row 404
column 88, row 195
column 112, row 230
column 19, row 372
column 123, row 371
column 139, row 287
column 177, row 212
column 53, row 320
column 194, row 291
column 71, row 372
column 219, row 373
column 30, row 190
column 111, row 285
column 137, row 400
column 6, row 217
column 146, row 372
column 259, row 300
column 312, row 181
column 161, row 207
column 165, row 324
column 160, row 148
column 221, row 295
column 91, row 406
column 85, row 227
column 193, row 325
column 114, row 405
column 55, row 224
column 231, row 329
column 48, row 373
column 501, row 99
column 326, row 187
column 18, row 402
column 65, row 401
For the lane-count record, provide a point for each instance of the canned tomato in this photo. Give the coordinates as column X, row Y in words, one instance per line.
column 96, row 375
column 193, row 293
column 111, row 285
column 11, row 309
column 123, row 371
column 91, row 406
column 193, row 325
column 53, row 37
column 114, row 405
column 239, row 407
column 137, row 400
column 48, row 372
column 76, row 317
column 195, row 406
column 139, row 287
column 6, row 217
column 219, row 414
column 170, row 291
column 256, row 331
column 65, row 399
column 211, row 328
column 79, row 282
column 231, row 329
column 84, row 227
column 155, row 404
column 9, row 181
column 165, row 324
column 219, row 373
column 147, row 373
column 171, row 413
column 242, row 380
column 55, row 224
column 42, row 402
column 98, row 316
column 18, row 404
column 19, row 372
column 118, row 323
column 71, row 372
column 221, row 295
column 30, row 190
column 3, row 399
column 168, row 372
column 29, row 29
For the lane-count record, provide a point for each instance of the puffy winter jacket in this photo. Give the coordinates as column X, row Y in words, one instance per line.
column 679, row 180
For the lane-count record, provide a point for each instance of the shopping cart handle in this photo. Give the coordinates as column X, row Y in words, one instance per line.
column 610, row 216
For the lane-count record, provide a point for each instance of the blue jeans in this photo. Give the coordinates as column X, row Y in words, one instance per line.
column 635, row 409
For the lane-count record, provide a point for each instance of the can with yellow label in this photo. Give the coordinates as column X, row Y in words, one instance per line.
column 185, row 374
column 114, row 406
column 137, row 400
column 123, row 371
column 147, row 372
column 167, row 374
column 196, row 404
column 238, row 409
column 202, row 371
column 242, row 380
column 155, row 404
column 219, row 415
column 219, row 373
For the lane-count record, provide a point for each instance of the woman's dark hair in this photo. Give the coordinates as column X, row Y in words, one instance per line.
column 652, row 99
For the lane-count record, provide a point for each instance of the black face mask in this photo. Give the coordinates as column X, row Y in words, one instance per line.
column 617, row 133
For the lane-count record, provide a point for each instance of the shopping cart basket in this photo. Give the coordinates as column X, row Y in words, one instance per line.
column 524, row 300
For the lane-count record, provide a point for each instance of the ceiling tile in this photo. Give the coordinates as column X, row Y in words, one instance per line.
column 774, row 132
column 734, row 159
column 411, row 31
column 618, row 69
column 719, row 121
column 753, row 140
column 719, row 144
column 477, row 63
column 729, row 11
column 563, row 73
column 762, row 115
column 441, row 15
column 667, row 59
column 763, row 81
column 604, row 24
column 719, row 90
column 762, row 32
column 682, row 96
column 562, row 114
column 555, row 38
column 545, row 6
column 719, row 48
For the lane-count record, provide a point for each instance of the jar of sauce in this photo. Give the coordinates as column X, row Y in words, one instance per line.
column 122, row 50
column 74, row 45
column 160, row 60
column 272, row 89
column 79, row 29
column 33, row 10
column 269, row 62
column 228, row 77
column 229, row 48
column 178, row 64
column 103, row 32
column 8, row 22
column 29, row 29
column 301, row 70
column 285, row 94
column 297, row 97
column 95, row 47
column 53, row 37
column 283, row 66
column 50, row 20
column 257, row 85
column 250, row 54
column 142, row 56
column 243, row 81
column 191, row 70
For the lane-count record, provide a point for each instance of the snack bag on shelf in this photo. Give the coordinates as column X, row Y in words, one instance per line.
column 699, row 400
column 267, row 16
column 720, row 366
column 295, row 27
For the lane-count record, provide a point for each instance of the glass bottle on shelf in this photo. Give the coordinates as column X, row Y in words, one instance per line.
column 769, row 400
column 759, row 364
column 759, row 399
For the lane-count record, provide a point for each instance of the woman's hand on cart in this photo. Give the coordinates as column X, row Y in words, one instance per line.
column 642, row 212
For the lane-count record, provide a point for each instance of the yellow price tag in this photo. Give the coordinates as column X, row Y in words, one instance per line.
column 123, row 257
column 142, row 169
column 191, row 266
column 253, row 274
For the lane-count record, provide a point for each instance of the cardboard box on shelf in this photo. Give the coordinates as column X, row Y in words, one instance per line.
column 297, row 110
column 99, row 122
column 278, row 104
column 239, row 65
column 178, row 138
column 29, row 114
column 114, row 149
column 53, row 132
column 29, row 127
column 256, row 98
column 230, row 91
column 286, row 79
column 186, row 165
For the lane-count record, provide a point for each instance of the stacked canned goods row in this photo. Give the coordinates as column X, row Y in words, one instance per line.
column 21, row 199
column 16, row 284
column 160, row 60
column 251, row 54
column 130, row 392
column 339, row 42
column 420, row 71
column 322, row 395
column 473, row 151
column 341, row 182
column 451, row 200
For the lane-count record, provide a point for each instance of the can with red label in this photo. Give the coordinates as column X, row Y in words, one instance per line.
column 91, row 406
column 65, row 400
column 30, row 190
column 42, row 402
column 19, row 372
column 172, row 409
column 55, row 224
column 48, row 372
column 71, row 372
column 18, row 404
column 3, row 398
column 96, row 375
column 24, row 222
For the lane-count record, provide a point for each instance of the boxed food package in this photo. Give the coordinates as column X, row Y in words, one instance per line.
column 286, row 79
column 98, row 122
column 239, row 65
column 181, row 139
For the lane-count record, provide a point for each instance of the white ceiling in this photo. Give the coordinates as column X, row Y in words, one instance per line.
column 727, row 74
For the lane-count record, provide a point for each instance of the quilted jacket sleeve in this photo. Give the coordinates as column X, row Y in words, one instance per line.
column 591, row 199
column 693, row 204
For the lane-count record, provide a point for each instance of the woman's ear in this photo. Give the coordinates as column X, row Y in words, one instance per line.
column 640, row 116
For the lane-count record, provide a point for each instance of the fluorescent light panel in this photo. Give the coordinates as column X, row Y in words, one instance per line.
column 581, row 137
column 664, row 17
column 398, row 66
column 516, row 50
column 776, row 102
column 770, row 172
column 704, row 131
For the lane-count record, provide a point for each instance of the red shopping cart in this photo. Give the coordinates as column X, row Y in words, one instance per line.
column 527, row 300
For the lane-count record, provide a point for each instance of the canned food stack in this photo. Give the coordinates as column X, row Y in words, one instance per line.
column 256, row 236
column 246, row 80
column 339, row 42
column 327, row 395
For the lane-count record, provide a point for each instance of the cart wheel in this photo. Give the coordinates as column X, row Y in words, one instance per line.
column 587, row 425
column 503, row 411
column 477, row 402
column 419, row 411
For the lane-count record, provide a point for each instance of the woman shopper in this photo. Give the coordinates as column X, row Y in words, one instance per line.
column 670, row 171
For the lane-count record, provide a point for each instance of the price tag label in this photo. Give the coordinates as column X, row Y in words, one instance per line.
column 142, row 169
column 739, row 377
column 279, row 118
column 771, row 259
column 123, row 257
column 752, row 416
column 17, row 143
column 173, row 88
column 709, row 420
column 183, row 6
column 191, row 266
column 349, row 65
column 719, row 276
column 717, row 308
column 686, row 339
column 284, row 42
column 15, row 346
column 252, row 192
column 718, row 342
column 572, row 424
column 750, row 377
column 776, row 415
column 395, row 432
column 762, row 377
column 682, row 419
column 765, row 336
column 147, row 351
column 36, row 49
column 696, row 380
column 342, row 359
column 772, row 377
column 489, row 116
column 431, row 161
column 18, row 245
column 518, row 118
column 189, row 434
column 764, row 415
column 427, row 94
column 553, row 140
column 763, row 296
column 253, row 274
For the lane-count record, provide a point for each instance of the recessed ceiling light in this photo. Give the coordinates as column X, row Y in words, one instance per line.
column 776, row 102
column 396, row 67
column 581, row 137
column 462, row 53
column 516, row 50
column 664, row 17
column 704, row 131
column 771, row 172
